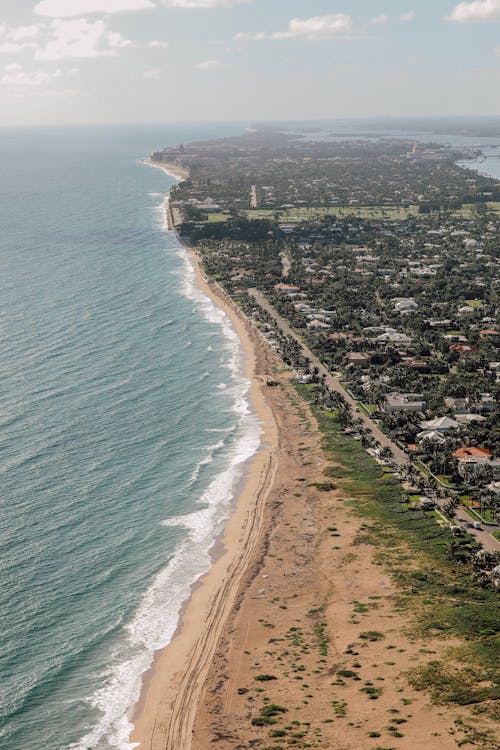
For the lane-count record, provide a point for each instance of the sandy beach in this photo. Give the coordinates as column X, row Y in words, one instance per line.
column 168, row 705
column 174, row 170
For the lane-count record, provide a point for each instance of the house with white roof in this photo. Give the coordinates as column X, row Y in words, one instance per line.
column 440, row 424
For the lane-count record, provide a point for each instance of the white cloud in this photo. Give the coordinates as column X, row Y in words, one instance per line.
column 22, row 32
column 13, row 47
column 158, row 44
column 379, row 20
column 81, row 39
column 68, row 8
column 18, row 38
column 317, row 27
column 16, row 76
column 383, row 18
column 210, row 65
column 479, row 10
column 203, row 3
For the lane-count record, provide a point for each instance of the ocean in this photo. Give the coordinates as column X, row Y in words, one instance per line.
column 124, row 429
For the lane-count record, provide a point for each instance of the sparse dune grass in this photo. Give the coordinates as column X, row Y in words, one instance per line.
column 441, row 595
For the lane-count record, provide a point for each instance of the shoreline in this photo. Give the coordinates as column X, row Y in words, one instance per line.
column 164, row 715
column 174, row 170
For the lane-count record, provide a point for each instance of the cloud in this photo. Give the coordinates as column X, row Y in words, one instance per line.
column 210, row 65
column 81, row 39
column 317, row 27
column 379, row 20
column 383, row 18
column 158, row 44
column 16, row 76
column 22, row 32
column 203, row 3
column 17, row 38
column 68, row 8
column 13, row 47
column 479, row 10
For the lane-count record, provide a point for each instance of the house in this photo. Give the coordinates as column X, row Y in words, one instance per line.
column 420, row 365
column 317, row 324
column 358, row 359
column 458, row 405
column 395, row 402
column 287, row 288
column 464, row 350
column 431, row 436
column 468, row 451
column 440, row 424
column 478, row 465
column 486, row 403
column 465, row 311
column 468, row 418
column 488, row 333
column 394, row 337
column 404, row 304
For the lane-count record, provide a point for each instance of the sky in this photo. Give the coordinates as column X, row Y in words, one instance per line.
column 132, row 61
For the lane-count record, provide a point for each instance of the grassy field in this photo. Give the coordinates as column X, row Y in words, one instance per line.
column 468, row 209
column 439, row 592
column 342, row 212
column 394, row 213
column 218, row 217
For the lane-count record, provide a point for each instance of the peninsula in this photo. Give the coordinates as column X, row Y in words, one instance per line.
column 354, row 600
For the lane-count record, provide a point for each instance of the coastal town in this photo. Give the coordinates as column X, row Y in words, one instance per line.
column 382, row 257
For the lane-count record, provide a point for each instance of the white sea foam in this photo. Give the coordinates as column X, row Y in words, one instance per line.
column 157, row 616
column 212, row 449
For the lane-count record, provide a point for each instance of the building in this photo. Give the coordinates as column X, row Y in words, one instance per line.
column 468, row 451
column 358, row 359
column 431, row 436
column 464, row 350
column 440, row 424
column 395, row 402
column 286, row 288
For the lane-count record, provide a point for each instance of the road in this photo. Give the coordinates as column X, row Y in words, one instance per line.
column 399, row 456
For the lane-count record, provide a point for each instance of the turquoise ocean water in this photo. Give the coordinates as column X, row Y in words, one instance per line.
column 124, row 428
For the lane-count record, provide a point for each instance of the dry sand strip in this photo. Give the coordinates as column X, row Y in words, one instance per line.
column 170, row 694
